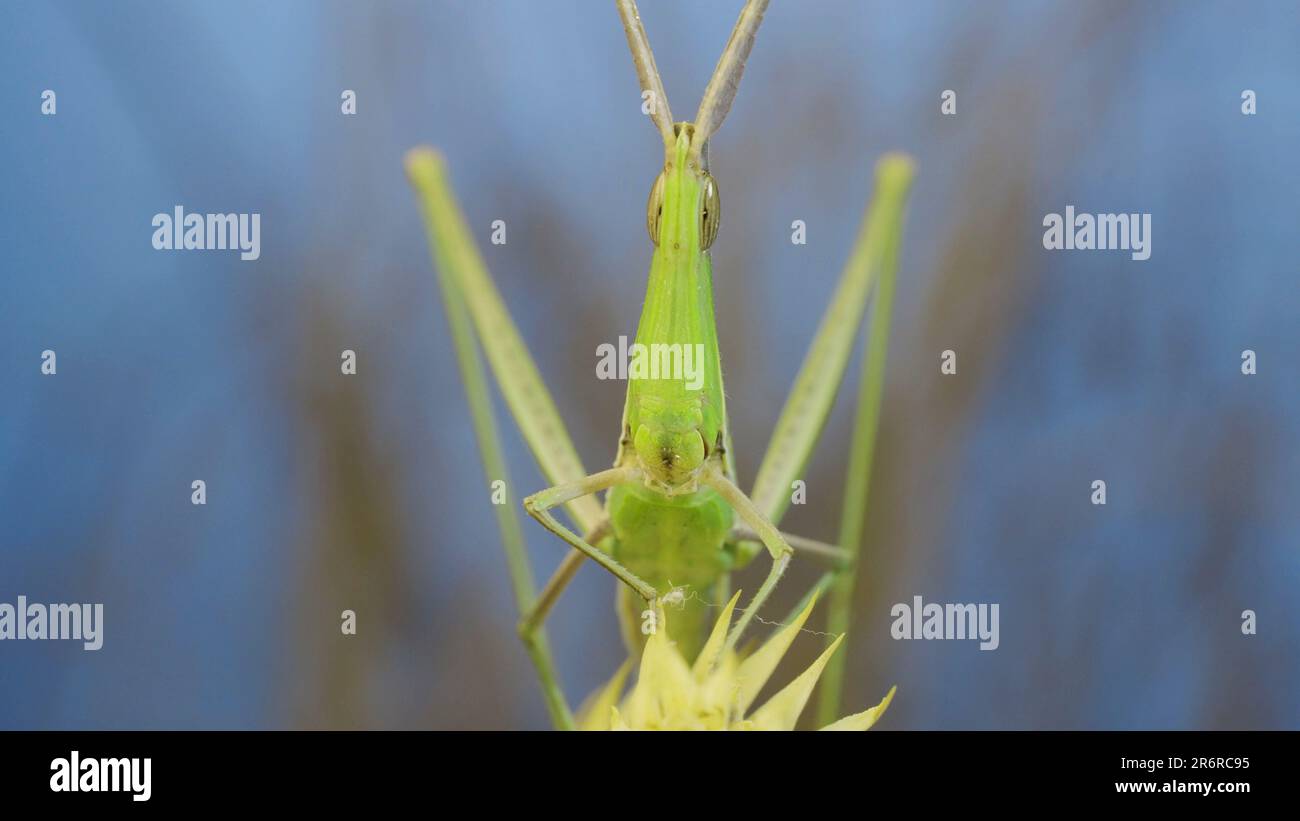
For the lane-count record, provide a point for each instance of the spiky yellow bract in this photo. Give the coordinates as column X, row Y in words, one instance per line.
column 717, row 691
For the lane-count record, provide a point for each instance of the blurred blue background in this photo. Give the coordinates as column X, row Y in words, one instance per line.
column 364, row 492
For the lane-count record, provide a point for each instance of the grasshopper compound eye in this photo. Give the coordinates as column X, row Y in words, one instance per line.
column 712, row 213
column 654, row 209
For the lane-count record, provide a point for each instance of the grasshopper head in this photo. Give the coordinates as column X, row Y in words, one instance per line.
column 693, row 188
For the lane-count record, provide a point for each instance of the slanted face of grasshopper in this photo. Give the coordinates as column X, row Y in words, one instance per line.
column 674, row 517
column 673, row 428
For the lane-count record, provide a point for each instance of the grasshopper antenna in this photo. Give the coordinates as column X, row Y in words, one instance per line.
column 722, row 87
column 647, row 73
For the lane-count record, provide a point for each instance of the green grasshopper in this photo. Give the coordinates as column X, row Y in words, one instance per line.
column 674, row 519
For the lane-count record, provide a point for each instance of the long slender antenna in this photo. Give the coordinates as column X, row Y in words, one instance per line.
column 722, row 87
column 646, row 71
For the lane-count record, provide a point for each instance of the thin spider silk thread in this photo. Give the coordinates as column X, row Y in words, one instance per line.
column 678, row 597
